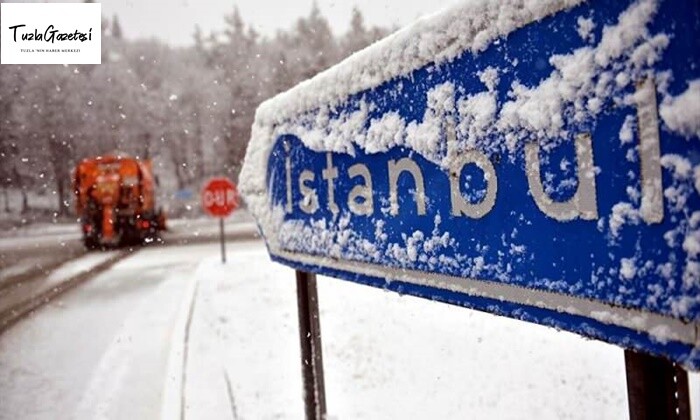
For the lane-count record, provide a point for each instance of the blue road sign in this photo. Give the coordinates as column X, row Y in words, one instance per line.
column 184, row 194
column 540, row 162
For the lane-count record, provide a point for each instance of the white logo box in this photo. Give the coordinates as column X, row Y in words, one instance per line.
column 51, row 34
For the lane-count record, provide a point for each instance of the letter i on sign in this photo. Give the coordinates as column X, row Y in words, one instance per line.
column 652, row 207
column 288, row 173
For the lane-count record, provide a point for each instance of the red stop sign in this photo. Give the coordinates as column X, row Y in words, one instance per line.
column 219, row 197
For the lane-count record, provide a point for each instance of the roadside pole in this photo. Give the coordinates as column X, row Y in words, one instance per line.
column 656, row 388
column 223, row 244
column 310, row 341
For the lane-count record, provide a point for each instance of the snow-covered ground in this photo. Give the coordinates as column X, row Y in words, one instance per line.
column 37, row 235
column 101, row 350
column 72, row 229
column 25, row 290
column 115, row 348
column 386, row 356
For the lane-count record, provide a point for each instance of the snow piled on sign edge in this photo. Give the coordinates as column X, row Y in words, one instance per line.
column 471, row 25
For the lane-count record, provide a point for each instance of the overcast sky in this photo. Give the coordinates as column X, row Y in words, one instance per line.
column 174, row 20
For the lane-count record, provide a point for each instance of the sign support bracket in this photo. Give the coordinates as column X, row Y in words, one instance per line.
column 310, row 340
column 656, row 388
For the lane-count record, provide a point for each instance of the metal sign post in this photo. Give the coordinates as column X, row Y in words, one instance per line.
column 656, row 388
column 310, row 340
column 223, row 244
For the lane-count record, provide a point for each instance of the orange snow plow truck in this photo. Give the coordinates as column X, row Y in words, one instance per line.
column 115, row 200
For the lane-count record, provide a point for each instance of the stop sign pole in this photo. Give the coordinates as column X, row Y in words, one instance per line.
column 220, row 198
column 223, row 243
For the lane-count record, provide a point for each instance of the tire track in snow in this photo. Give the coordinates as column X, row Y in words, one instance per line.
column 33, row 273
column 124, row 382
column 25, row 307
column 231, row 400
column 183, row 388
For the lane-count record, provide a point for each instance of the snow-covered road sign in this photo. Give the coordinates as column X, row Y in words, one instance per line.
column 539, row 160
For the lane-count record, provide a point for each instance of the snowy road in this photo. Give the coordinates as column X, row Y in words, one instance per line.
column 101, row 351
column 39, row 248
column 171, row 331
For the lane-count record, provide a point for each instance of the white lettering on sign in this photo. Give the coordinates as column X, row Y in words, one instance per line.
column 329, row 174
column 652, row 207
column 288, row 170
column 309, row 200
column 460, row 206
column 363, row 191
column 230, row 197
column 582, row 205
column 219, row 198
column 395, row 171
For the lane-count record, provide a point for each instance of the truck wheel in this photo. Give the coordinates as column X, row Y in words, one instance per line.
column 90, row 242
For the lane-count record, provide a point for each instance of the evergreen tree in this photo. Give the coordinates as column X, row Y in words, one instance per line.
column 116, row 28
column 314, row 35
column 359, row 36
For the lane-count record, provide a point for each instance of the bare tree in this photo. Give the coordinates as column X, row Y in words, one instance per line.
column 192, row 108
